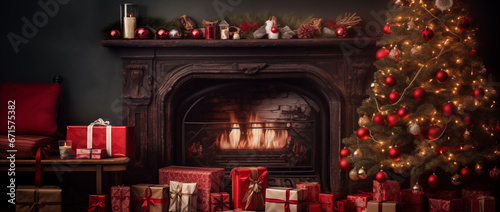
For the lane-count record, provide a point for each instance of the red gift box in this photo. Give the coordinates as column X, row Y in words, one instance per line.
column 90, row 153
column 345, row 205
column 408, row 197
column 446, row 204
column 98, row 203
column 209, row 180
column 219, row 201
column 314, row 207
column 313, row 190
column 249, row 185
column 469, row 194
column 360, row 200
column 483, row 204
column 388, row 191
column 119, row 141
column 120, row 198
column 328, row 200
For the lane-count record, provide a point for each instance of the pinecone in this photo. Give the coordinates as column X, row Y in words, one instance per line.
column 305, row 31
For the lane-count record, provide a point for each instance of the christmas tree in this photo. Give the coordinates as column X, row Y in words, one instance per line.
column 431, row 106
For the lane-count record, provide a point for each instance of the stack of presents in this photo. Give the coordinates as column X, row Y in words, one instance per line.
column 190, row 189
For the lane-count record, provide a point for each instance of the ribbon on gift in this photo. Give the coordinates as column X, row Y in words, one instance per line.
column 42, row 151
column 220, row 205
column 380, row 205
column 482, row 200
column 176, row 196
column 36, row 204
column 100, row 122
column 147, row 200
column 96, row 206
column 287, row 201
column 255, row 187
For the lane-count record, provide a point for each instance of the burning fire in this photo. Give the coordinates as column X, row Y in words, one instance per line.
column 258, row 136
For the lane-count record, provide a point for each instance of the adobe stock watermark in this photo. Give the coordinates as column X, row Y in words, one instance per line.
column 39, row 19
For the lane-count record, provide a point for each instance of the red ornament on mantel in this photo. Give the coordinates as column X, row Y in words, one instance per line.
column 442, row 76
column 162, row 34
column 387, row 29
column 449, row 109
column 427, row 34
column 381, row 176
column 114, row 34
column 395, row 153
column 390, row 80
column 274, row 29
column 433, row 181
column 419, row 94
column 142, row 33
column 378, row 119
column 344, row 152
column 344, row 165
column 466, row 173
column 363, row 133
column 382, row 53
column 196, row 34
column 392, row 120
column 434, row 132
column 403, row 113
column 341, row 32
column 394, row 97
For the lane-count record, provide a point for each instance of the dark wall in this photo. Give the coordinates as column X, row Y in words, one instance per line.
column 67, row 42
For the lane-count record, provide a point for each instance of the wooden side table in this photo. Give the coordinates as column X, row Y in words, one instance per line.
column 73, row 165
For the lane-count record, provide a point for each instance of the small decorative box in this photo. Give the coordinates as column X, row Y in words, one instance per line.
column 388, row 191
column 345, row 205
column 382, row 206
column 313, row 190
column 219, row 201
column 90, row 153
column 98, row 203
column 360, row 200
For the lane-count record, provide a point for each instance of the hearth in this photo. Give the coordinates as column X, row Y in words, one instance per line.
column 281, row 104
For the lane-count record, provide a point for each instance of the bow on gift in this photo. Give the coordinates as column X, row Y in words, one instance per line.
column 176, row 196
column 220, row 204
column 287, row 201
column 255, row 187
column 96, row 206
column 101, row 122
column 245, row 26
column 147, row 199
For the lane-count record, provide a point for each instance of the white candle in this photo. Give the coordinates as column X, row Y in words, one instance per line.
column 274, row 35
column 65, row 152
column 224, row 34
column 129, row 25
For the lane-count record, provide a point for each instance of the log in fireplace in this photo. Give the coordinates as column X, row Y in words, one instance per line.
column 283, row 104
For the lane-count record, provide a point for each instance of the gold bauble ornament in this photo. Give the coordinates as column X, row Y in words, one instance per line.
column 357, row 153
column 456, row 180
column 416, row 188
column 353, row 174
column 364, row 120
column 362, row 173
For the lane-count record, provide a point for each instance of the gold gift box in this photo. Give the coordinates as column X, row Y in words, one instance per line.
column 43, row 198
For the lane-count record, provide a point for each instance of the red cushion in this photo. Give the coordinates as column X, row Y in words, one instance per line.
column 36, row 106
column 26, row 145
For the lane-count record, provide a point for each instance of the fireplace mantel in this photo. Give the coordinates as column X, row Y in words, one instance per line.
column 156, row 72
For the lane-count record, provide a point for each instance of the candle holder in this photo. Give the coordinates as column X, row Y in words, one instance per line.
column 65, row 149
column 128, row 19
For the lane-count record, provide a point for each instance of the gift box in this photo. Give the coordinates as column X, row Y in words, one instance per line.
column 249, row 184
column 280, row 199
column 149, row 197
column 483, row 204
column 313, row 190
column 408, row 197
column 208, row 180
column 120, row 198
column 360, row 200
column 313, row 206
column 119, row 141
column 182, row 197
column 90, row 153
column 446, row 204
column 382, row 206
column 470, row 194
column 388, row 191
column 219, row 201
column 328, row 200
column 98, row 203
column 38, row 198
column 345, row 205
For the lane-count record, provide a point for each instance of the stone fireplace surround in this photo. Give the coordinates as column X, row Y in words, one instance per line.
column 158, row 74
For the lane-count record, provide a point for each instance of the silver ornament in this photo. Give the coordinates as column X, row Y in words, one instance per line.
column 456, row 179
column 353, row 174
column 174, row 34
column 467, row 134
column 444, row 4
column 416, row 188
column 364, row 120
column 357, row 153
column 414, row 129
column 395, row 54
column 362, row 173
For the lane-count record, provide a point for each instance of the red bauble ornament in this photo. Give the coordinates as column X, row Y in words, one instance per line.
column 196, row 33
column 381, row 176
column 449, row 109
column 442, row 76
column 433, row 181
column 469, row 122
column 497, row 129
column 382, row 53
column 393, row 97
column 390, row 80
column 363, row 133
column 344, row 165
column 162, row 34
column 473, row 53
column 344, row 152
column 392, row 120
column 274, row 29
column 387, row 29
column 395, row 153
column 478, row 93
column 419, row 94
column 495, row 173
column 466, row 173
column 464, row 24
column 403, row 113
column 427, row 34
column 341, row 32
column 378, row 119
column 434, row 132
column 114, row 34
column 142, row 33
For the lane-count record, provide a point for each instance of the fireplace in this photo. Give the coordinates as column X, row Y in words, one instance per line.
column 282, row 104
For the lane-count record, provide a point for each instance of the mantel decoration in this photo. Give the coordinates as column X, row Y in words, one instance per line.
column 240, row 26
